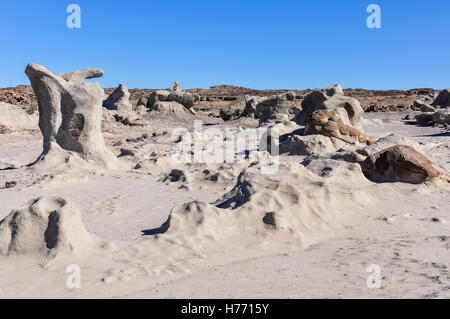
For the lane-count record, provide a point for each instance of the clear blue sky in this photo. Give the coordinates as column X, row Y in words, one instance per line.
column 259, row 44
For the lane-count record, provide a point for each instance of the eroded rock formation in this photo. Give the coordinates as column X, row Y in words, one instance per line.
column 401, row 163
column 443, row 99
column 173, row 94
column 272, row 108
column 332, row 98
column 119, row 100
column 330, row 123
column 70, row 113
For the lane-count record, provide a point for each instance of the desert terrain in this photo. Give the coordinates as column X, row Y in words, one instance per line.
column 225, row 192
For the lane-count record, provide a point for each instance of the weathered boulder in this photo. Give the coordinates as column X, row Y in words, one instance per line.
column 48, row 225
column 275, row 107
column 187, row 99
column 246, row 107
column 169, row 109
column 310, row 144
column 424, row 104
column 176, row 87
column 401, row 163
column 386, row 142
column 156, row 96
column 443, row 99
column 332, row 98
column 330, row 123
column 441, row 116
column 233, row 111
column 141, row 101
column 272, row 108
column 119, row 100
column 70, row 114
column 424, row 118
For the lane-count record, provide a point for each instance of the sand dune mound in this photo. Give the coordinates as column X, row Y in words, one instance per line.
column 299, row 209
column 49, row 226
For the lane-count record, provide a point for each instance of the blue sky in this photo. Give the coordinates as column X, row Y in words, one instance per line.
column 258, row 44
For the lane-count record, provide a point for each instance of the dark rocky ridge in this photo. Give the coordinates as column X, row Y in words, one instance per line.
column 216, row 97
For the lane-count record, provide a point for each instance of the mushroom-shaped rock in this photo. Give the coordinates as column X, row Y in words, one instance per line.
column 70, row 114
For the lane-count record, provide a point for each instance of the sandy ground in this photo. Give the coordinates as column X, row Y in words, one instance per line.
column 402, row 228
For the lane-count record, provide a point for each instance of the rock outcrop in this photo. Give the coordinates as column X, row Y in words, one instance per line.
column 275, row 108
column 310, row 144
column 70, row 114
column 176, row 87
column 172, row 109
column 174, row 94
column 272, row 108
column 332, row 98
column 119, row 100
column 443, row 99
column 329, row 123
column 401, row 163
column 440, row 116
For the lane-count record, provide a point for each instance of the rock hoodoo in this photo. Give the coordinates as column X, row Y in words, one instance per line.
column 70, row 113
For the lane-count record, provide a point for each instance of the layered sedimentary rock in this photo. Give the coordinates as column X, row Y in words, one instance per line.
column 173, row 94
column 165, row 108
column 330, row 123
column 440, row 116
column 401, row 163
column 275, row 107
column 332, row 98
column 272, row 108
column 70, row 113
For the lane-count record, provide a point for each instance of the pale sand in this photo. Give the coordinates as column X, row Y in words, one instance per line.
column 346, row 223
